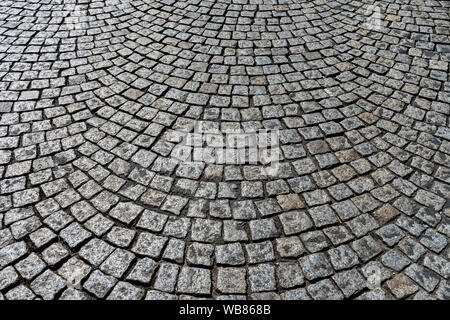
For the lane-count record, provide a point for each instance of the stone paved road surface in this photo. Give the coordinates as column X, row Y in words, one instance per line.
column 95, row 96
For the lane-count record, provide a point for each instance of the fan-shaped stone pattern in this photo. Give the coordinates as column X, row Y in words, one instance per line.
column 95, row 96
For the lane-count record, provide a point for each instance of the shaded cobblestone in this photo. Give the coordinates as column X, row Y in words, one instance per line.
column 99, row 98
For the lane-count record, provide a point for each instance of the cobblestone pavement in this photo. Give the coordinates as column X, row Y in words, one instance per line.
column 94, row 95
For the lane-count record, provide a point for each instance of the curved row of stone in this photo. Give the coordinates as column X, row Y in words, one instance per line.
column 96, row 97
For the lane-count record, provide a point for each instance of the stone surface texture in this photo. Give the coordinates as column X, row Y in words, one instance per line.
column 95, row 96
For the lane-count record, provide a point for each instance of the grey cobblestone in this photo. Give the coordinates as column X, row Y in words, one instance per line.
column 94, row 203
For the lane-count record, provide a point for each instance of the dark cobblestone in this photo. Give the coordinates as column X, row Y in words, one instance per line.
column 98, row 98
